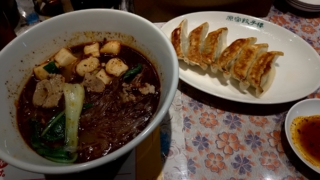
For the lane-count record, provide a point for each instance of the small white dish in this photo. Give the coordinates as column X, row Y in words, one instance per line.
column 305, row 107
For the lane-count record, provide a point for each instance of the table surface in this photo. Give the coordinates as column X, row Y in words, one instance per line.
column 206, row 137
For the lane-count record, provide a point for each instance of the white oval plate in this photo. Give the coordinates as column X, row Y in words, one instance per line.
column 297, row 72
column 310, row 2
column 306, row 107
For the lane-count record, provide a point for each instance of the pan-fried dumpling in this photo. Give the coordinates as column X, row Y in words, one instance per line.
column 259, row 71
column 215, row 42
column 179, row 39
column 195, row 39
column 231, row 53
column 240, row 67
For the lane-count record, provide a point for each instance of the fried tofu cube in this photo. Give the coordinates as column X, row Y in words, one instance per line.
column 111, row 47
column 87, row 65
column 64, row 57
column 40, row 72
column 105, row 78
column 116, row 67
column 92, row 50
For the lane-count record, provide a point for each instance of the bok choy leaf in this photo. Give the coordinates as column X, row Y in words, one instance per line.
column 54, row 129
column 74, row 98
column 58, row 154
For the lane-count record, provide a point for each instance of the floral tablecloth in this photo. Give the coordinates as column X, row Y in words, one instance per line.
column 212, row 138
column 205, row 137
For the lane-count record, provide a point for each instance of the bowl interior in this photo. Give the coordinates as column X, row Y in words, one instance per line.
column 45, row 39
column 306, row 107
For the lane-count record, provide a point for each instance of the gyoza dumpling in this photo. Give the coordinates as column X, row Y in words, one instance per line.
column 195, row 39
column 259, row 71
column 231, row 53
column 215, row 42
column 179, row 39
column 240, row 67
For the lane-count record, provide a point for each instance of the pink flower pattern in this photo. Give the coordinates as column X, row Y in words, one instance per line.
column 228, row 143
column 215, row 163
column 274, row 139
column 270, row 161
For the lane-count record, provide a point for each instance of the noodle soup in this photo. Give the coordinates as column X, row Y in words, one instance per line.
column 87, row 101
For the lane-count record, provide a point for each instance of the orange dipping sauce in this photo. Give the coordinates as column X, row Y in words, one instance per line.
column 305, row 131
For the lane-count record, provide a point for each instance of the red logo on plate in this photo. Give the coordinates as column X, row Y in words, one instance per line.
column 1, row 173
column 2, row 164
